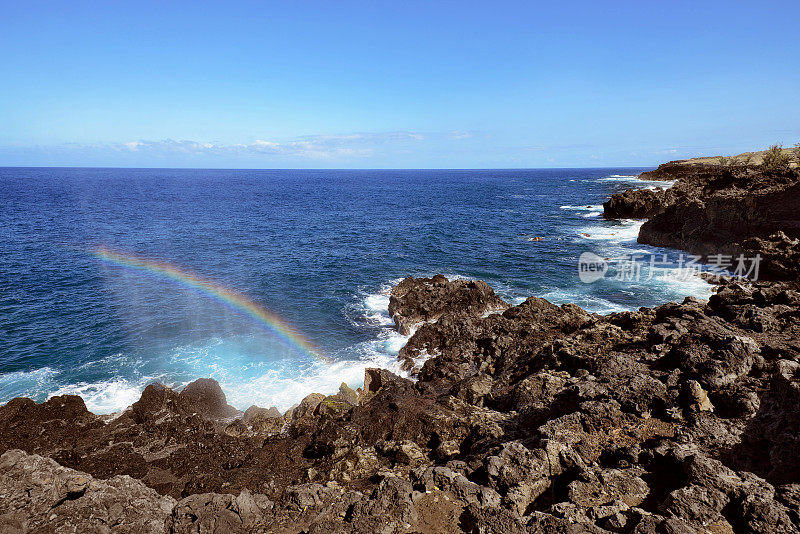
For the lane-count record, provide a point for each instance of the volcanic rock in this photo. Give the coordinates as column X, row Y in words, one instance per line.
column 39, row 495
column 541, row 418
column 420, row 300
column 638, row 203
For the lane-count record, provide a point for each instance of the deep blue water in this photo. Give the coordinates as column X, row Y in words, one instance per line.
column 319, row 248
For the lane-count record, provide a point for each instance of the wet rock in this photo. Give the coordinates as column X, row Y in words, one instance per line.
column 204, row 396
column 638, row 203
column 419, row 300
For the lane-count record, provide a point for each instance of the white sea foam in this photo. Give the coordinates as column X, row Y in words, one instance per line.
column 683, row 282
column 619, row 178
column 376, row 308
column 622, row 231
column 283, row 391
column 586, row 207
column 31, row 384
column 631, row 178
column 106, row 396
column 592, row 214
column 587, row 302
column 653, row 185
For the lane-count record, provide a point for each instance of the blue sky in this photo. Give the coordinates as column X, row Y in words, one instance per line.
column 394, row 84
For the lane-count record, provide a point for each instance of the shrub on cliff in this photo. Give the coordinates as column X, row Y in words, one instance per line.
column 736, row 162
column 775, row 159
column 796, row 152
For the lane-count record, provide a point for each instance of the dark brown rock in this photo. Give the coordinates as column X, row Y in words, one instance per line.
column 205, row 397
column 39, row 495
column 638, row 203
column 415, row 301
column 540, row 418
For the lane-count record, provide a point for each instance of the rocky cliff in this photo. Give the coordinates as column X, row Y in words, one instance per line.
column 715, row 209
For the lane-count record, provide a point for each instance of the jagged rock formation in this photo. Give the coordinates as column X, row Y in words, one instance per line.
column 713, row 209
column 541, row 418
column 39, row 495
column 639, row 203
column 415, row 301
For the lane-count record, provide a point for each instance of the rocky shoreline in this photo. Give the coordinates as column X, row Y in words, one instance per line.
column 527, row 418
column 717, row 209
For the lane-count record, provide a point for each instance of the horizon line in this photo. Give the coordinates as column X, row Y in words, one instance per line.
column 325, row 168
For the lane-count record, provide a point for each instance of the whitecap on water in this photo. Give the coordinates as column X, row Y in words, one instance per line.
column 284, row 381
column 684, row 282
column 634, row 179
column 587, row 207
column 620, row 231
column 106, row 396
column 31, row 384
column 587, row 302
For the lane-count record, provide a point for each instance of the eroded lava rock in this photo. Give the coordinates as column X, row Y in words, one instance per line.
column 539, row 418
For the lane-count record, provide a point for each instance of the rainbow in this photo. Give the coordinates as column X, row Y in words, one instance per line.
column 231, row 299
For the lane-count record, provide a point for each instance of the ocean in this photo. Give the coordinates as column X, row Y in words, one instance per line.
column 275, row 282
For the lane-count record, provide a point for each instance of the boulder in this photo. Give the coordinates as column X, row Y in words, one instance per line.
column 37, row 494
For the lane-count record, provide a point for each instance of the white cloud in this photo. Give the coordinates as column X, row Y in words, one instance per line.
column 311, row 147
column 388, row 148
column 457, row 134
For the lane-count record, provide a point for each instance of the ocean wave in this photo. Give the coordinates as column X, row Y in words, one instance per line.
column 619, row 178
column 247, row 379
column 33, row 384
column 622, row 231
column 682, row 282
column 250, row 374
column 588, row 302
column 587, row 207
column 592, row 214
column 650, row 184
column 283, row 390
column 376, row 309
column 106, row 396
